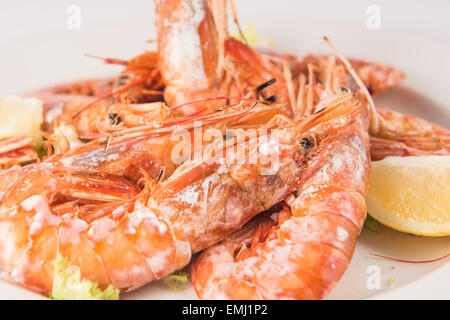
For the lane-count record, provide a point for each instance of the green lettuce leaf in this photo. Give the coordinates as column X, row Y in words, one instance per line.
column 252, row 37
column 42, row 152
column 68, row 285
column 372, row 224
column 176, row 280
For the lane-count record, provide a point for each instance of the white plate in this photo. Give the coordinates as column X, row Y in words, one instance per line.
column 31, row 63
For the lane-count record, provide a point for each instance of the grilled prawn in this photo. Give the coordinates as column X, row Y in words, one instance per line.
column 301, row 252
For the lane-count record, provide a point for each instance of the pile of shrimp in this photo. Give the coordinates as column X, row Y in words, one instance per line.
column 112, row 201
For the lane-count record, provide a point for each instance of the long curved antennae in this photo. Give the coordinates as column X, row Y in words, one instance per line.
column 375, row 120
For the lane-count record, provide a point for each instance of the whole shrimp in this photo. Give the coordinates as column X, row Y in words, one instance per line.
column 154, row 150
column 405, row 135
column 98, row 106
column 300, row 253
column 391, row 133
column 105, row 118
column 119, row 234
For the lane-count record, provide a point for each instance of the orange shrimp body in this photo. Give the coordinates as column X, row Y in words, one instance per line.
column 250, row 69
column 16, row 149
column 404, row 135
column 376, row 77
column 140, row 82
column 187, row 42
column 111, row 102
column 306, row 252
column 118, row 234
column 33, row 232
column 396, row 134
column 156, row 149
column 104, row 117
column 199, row 60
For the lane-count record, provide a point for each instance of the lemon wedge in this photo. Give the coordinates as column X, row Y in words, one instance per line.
column 21, row 116
column 412, row 194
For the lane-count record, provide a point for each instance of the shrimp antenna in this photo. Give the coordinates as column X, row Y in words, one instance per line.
column 211, row 99
column 219, row 11
column 124, row 88
column 375, row 119
column 236, row 21
column 410, row 261
column 107, row 60
column 289, row 84
column 108, row 142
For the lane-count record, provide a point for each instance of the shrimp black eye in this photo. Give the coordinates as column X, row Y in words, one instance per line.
column 320, row 110
column 122, row 80
column 261, row 87
column 115, row 119
column 270, row 99
column 306, row 143
column 229, row 135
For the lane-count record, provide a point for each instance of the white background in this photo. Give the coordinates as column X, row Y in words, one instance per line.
column 20, row 18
